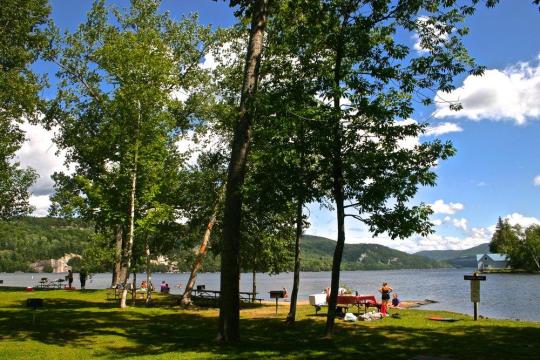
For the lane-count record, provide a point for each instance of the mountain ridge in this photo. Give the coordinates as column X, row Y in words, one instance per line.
column 317, row 253
column 457, row 258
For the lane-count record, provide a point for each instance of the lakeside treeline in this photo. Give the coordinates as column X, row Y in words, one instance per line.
column 26, row 240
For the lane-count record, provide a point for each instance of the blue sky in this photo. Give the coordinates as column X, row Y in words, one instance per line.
column 494, row 171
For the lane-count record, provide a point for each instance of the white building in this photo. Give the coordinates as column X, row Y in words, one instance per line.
column 492, row 261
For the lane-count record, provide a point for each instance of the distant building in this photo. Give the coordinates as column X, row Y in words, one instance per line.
column 492, row 261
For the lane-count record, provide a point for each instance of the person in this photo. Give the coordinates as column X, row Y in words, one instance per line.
column 165, row 287
column 82, row 278
column 395, row 300
column 70, row 278
column 385, row 291
column 144, row 285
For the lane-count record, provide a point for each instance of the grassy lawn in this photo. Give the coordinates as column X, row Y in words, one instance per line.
column 83, row 325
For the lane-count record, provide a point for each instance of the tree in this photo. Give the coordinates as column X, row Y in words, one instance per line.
column 522, row 246
column 367, row 82
column 504, row 237
column 205, row 192
column 22, row 42
column 287, row 133
column 119, row 117
column 268, row 221
column 229, row 310
column 532, row 243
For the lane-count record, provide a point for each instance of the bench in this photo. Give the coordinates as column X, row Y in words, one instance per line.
column 114, row 293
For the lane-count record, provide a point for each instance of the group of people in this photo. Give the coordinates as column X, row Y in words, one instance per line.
column 385, row 291
column 82, row 277
column 165, row 287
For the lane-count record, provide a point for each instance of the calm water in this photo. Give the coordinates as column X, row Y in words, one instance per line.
column 503, row 296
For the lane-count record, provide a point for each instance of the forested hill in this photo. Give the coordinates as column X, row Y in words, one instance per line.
column 457, row 258
column 28, row 239
column 317, row 255
column 453, row 254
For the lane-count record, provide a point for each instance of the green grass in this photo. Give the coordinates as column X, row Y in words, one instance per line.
column 83, row 325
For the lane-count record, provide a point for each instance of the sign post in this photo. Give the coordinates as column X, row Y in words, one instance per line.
column 475, row 290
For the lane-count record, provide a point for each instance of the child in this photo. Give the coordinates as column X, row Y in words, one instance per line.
column 395, row 300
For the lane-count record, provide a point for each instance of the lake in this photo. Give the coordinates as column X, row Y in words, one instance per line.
column 503, row 296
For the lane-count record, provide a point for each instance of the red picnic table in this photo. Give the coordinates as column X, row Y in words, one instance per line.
column 344, row 301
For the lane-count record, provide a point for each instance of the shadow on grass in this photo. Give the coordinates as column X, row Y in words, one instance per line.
column 115, row 333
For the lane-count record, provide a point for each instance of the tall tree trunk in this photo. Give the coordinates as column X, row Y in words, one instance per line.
column 149, row 285
column 134, row 289
column 338, row 188
column 291, row 317
column 186, row 298
column 131, row 230
column 118, row 271
column 229, row 311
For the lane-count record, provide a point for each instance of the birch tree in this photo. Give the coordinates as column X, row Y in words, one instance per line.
column 118, row 115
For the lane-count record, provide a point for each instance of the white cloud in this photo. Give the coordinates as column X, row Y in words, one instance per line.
column 519, row 219
column 41, row 204
column 509, row 94
column 536, row 180
column 440, row 207
column 180, row 95
column 460, row 223
column 40, row 153
column 323, row 223
column 193, row 144
column 409, row 142
column 444, row 128
column 224, row 55
column 428, row 27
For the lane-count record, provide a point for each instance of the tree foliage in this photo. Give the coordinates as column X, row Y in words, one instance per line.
column 25, row 240
column 367, row 80
column 522, row 245
column 22, row 42
column 120, row 116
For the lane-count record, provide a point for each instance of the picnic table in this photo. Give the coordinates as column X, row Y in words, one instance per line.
column 115, row 293
column 45, row 283
column 344, row 301
column 202, row 293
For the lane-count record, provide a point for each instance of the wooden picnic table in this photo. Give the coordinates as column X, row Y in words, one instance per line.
column 215, row 294
column 45, row 283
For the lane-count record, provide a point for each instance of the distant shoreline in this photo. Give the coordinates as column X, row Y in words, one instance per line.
column 405, row 304
column 509, row 271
